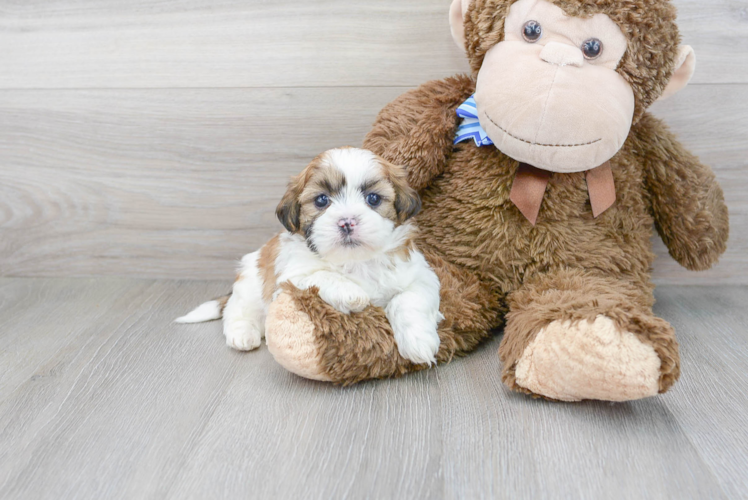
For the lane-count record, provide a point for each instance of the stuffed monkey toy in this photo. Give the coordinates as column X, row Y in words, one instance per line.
column 542, row 177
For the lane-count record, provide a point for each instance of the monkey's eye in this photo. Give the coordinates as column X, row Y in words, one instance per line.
column 532, row 31
column 321, row 201
column 373, row 200
column 592, row 48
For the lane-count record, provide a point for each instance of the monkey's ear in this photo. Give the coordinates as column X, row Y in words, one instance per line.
column 457, row 21
column 684, row 68
column 289, row 208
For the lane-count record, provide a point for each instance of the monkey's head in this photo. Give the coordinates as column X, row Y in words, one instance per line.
column 560, row 82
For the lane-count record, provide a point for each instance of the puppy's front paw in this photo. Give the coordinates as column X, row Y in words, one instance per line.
column 346, row 298
column 419, row 344
column 242, row 335
column 357, row 303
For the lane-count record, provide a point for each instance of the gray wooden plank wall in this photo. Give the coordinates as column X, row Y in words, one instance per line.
column 153, row 138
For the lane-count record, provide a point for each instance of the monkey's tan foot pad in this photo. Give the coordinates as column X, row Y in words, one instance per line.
column 289, row 334
column 588, row 360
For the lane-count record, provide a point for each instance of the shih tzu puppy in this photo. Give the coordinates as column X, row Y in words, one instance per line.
column 349, row 234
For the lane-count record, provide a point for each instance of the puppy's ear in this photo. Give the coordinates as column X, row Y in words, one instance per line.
column 289, row 208
column 407, row 201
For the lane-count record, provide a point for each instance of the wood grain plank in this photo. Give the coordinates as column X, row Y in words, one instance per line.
column 704, row 26
column 709, row 402
column 181, row 183
column 507, row 445
column 108, row 180
column 688, row 443
column 287, row 43
column 275, row 435
column 136, row 407
column 149, row 409
column 27, row 349
column 226, row 43
column 112, row 410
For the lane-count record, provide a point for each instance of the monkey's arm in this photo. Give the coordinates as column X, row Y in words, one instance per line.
column 417, row 128
column 687, row 202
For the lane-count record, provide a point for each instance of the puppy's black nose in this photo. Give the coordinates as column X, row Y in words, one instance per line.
column 346, row 226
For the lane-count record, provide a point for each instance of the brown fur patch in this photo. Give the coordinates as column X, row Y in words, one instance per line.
column 383, row 188
column 649, row 26
column 407, row 248
column 324, row 179
column 289, row 210
column 266, row 267
column 297, row 210
column 222, row 301
column 407, row 203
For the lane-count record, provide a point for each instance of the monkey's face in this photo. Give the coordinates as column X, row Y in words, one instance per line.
column 559, row 83
column 549, row 94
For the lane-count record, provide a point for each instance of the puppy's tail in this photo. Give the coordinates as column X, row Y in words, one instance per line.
column 206, row 311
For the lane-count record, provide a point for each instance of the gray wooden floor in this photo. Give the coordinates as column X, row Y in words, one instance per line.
column 101, row 397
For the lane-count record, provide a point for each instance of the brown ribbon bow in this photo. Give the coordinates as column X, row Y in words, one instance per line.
column 530, row 182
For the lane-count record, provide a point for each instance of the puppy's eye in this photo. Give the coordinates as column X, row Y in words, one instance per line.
column 592, row 48
column 373, row 200
column 321, row 201
column 532, row 31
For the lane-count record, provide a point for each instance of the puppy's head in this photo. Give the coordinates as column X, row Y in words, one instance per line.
column 347, row 203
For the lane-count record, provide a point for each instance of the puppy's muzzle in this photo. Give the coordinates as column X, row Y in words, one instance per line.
column 347, row 226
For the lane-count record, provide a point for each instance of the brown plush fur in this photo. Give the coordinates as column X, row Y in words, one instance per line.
column 687, row 202
column 570, row 265
column 490, row 260
column 577, row 295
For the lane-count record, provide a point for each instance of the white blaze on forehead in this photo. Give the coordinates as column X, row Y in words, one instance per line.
column 357, row 165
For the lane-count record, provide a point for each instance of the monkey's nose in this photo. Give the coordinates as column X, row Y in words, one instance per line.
column 562, row 54
column 346, row 226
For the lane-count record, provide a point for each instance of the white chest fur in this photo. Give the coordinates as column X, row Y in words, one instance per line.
column 381, row 277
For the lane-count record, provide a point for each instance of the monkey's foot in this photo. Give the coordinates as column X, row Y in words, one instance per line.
column 572, row 361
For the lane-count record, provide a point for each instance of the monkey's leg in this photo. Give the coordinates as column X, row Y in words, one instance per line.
column 572, row 335
column 311, row 339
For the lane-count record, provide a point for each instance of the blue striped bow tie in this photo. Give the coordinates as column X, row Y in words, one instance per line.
column 470, row 127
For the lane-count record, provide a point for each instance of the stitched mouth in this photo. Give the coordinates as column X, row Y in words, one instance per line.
column 538, row 143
